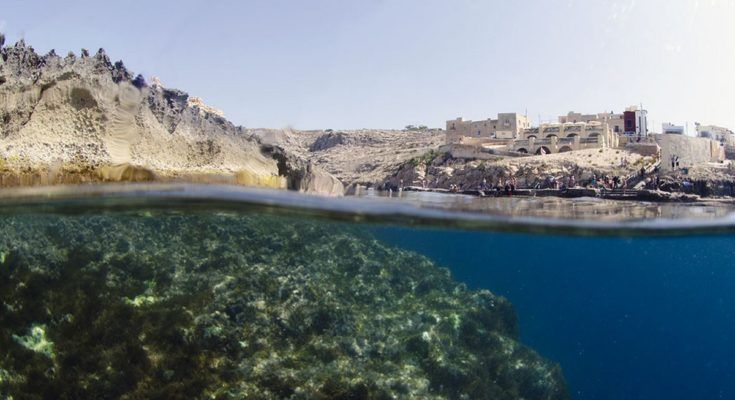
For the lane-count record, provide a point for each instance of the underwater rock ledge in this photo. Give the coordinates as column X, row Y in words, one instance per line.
column 215, row 305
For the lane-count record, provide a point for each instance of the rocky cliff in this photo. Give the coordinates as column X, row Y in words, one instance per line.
column 364, row 156
column 83, row 118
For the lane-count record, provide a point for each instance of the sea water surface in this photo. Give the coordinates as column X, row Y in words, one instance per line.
column 629, row 300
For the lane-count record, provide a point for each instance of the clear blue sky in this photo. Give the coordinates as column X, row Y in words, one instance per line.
column 385, row 64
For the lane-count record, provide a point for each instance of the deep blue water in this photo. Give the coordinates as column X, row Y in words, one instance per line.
column 627, row 318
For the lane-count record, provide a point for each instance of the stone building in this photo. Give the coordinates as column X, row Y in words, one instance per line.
column 512, row 132
column 505, row 126
column 634, row 121
column 563, row 137
column 616, row 122
column 718, row 133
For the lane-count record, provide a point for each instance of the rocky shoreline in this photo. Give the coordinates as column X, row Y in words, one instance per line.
column 590, row 173
column 649, row 195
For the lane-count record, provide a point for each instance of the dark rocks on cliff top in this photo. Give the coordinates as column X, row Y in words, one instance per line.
column 327, row 141
column 2, row 40
column 102, row 62
column 120, row 73
column 167, row 105
column 139, row 82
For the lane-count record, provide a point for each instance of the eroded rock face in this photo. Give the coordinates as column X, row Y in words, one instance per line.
column 365, row 156
column 327, row 141
column 302, row 175
column 216, row 305
column 89, row 112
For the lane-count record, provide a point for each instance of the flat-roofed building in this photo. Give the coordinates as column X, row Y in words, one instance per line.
column 505, row 126
column 563, row 137
column 616, row 122
column 671, row 129
column 722, row 135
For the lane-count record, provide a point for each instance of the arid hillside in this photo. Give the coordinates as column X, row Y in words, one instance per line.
column 365, row 156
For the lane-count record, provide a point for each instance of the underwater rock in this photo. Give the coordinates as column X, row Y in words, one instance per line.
column 156, row 304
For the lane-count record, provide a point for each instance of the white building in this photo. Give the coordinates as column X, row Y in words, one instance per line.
column 669, row 128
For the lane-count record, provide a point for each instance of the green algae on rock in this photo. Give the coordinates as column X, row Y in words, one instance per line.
column 223, row 305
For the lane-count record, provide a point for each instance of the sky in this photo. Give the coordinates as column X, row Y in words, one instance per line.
column 348, row 64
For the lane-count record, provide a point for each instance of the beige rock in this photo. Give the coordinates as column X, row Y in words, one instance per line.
column 88, row 117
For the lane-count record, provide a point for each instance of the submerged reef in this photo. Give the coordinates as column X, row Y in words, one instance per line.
column 154, row 304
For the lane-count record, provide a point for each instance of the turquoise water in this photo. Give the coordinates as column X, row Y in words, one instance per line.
column 215, row 292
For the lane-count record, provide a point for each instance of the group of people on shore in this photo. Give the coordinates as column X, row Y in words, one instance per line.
column 608, row 182
column 507, row 186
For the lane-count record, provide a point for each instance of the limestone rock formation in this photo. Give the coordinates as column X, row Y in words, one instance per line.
column 441, row 170
column 303, row 175
column 74, row 115
column 365, row 157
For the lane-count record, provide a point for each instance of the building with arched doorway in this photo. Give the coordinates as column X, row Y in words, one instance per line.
column 564, row 137
column 513, row 132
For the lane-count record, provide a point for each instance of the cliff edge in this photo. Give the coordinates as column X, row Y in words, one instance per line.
column 83, row 118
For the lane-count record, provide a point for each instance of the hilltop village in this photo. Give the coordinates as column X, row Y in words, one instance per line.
column 608, row 154
column 511, row 134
